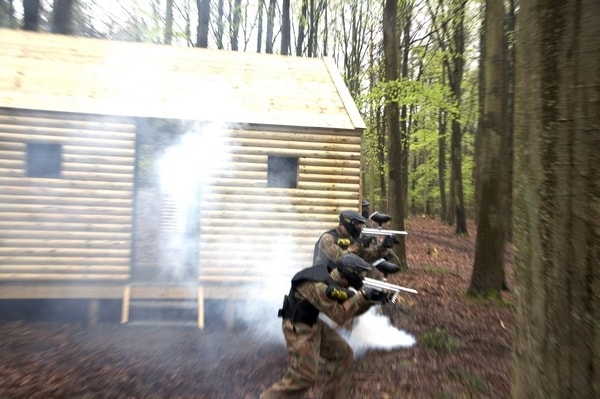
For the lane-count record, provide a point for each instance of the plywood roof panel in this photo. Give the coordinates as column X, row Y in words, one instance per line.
column 73, row 74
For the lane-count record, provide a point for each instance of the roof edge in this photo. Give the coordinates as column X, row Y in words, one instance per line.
column 344, row 93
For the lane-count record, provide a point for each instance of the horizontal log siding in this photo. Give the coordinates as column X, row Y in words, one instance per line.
column 76, row 228
column 250, row 232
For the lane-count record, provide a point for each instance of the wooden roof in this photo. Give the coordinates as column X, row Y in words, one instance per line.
column 52, row 72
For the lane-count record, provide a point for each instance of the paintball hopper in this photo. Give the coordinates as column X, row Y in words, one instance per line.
column 386, row 267
column 380, row 218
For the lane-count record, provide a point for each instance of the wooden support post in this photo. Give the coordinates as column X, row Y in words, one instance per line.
column 93, row 309
column 201, row 307
column 125, row 304
column 229, row 314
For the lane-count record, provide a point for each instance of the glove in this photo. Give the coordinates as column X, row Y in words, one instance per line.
column 374, row 296
column 389, row 241
column 366, row 241
column 340, row 294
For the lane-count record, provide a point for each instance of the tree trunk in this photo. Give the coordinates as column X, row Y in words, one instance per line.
column 220, row 25
column 62, row 17
column 302, row 23
column 442, row 164
column 169, row 22
column 509, row 32
column 259, row 27
column 488, row 269
column 556, row 347
column 203, row 23
column 31, row 14
column 404, row 115
column 325, row 36
column 285, row 27
column 455, row 72
column 270, row 23
column 7, row 15
column 234, row 26
column 457, row 179
column 353, row 33
column 390, row 49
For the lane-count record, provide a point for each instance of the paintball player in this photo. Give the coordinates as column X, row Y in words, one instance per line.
column 315, row 290
column 346, row 238
column 365, row 208
column 378, row 220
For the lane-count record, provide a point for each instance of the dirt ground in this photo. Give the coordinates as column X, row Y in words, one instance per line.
column 462, row 350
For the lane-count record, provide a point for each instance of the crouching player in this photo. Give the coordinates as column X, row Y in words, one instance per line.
column 315, row 290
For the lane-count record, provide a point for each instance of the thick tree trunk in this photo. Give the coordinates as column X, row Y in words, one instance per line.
column 285, row 27
column 488, row 269
column 556, row 348
column 62, row 17
column 509, row 79
column 31, row 14
column 203, row 23
column 396, row 204
column 270, row 23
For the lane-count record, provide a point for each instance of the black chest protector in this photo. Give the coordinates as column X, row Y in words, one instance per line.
column 301, row 311
column 324, row 261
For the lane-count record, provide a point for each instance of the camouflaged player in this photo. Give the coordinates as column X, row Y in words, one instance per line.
column 345, row 238
column 308, row 338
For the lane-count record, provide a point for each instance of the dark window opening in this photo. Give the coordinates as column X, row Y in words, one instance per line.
column 282, row 172
column 44, row 160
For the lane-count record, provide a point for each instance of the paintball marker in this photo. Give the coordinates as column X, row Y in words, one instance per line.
column 386, row 267
column 380, row 232
column 389, row 289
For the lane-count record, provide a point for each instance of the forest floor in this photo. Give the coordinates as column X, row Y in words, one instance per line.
column 462, row 349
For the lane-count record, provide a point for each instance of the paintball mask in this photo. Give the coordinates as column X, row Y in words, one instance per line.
column 353, row 268
column 353, row 222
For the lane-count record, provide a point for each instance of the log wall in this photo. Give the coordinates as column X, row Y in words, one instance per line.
column 75, row 228
column 251, row 232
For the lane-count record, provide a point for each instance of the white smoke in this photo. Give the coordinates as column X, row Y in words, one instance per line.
column 183, row 170
column 373, row 330
column 262, row 315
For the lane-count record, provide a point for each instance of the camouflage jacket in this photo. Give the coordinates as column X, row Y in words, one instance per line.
column 315, row 292
column 334, row 243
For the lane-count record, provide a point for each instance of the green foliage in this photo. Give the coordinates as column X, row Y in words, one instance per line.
column 425, row 96
column 475, row 384
column 435, row 270
column 491, row 297
column 439, row 340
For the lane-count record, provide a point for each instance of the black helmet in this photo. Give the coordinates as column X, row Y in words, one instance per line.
column 351, row 266
column 350, row 220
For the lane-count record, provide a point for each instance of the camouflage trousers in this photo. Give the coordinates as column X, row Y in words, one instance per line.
column 305, row 345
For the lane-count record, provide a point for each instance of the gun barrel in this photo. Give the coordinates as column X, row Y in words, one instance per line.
column 381, row 232
column 384, row 286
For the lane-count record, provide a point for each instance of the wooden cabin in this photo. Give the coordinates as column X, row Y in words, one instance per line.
column 144, row 172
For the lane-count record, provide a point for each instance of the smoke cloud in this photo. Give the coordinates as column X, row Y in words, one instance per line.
column 372, row 330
